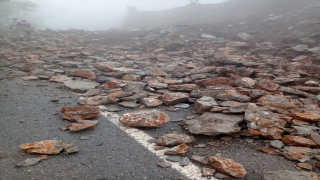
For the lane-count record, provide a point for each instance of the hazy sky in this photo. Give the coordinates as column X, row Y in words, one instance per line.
column 103, row 14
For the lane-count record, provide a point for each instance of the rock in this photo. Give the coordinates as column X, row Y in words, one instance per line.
column 218, row 81
column 183, row 87
column 114, row 97
column 298, row 141
column 264, row 123
column 278, row 101
column 245, row 36
column 151, row 102
column 30, row 78
column 287, row 175
column 156, row 84
column 92, row 92
column 174, row 98
column 28, row 162
column 82, row 125
column 158, row 73
column 98, row 100
column 164, row 164
column 182, row 106
column 227, row 166
column 130, row 104
column 44, row 157
column 315, row 137
column 213, row 124
column 307, row 116
column 300, row 48
column 28, row 67
column 207, row 172
column 82, row 112
column 80, row 86
column 199, row 159
column 179, row 150
column 232, row 95
column 174, row 139
column 132, row 77
column 104, row 67
column 305, row 166
column 204, row 104
column 43, row 147
column 85, row 73
column 173, row 158
column 60, row 78
column 276, row 144
column 246, row 82
column 70, row 149
column 147, row 118
column 184, row 161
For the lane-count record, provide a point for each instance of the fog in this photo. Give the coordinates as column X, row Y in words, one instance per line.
column 102, row 14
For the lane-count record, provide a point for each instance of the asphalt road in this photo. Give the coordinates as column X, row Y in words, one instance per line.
column 28, row 115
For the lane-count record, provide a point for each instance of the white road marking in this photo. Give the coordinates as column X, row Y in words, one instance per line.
column 191, row 171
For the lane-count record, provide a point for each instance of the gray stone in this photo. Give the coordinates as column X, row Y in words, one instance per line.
column 245, row 36
column 199, row 159
column 300, row 48
column 80, row 86
column 182, row 106
column 276, row 144
column 287, row 175
column 129, row 104
column 28, row 162
column 185, row 161
column 173, row 158
column 213, row 124
column 174, row 139
column 204, row 104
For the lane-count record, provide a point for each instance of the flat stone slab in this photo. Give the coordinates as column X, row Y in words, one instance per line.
column 80, row 86
column 213, row 124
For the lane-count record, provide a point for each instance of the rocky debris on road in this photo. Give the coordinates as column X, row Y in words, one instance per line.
column 227, row 166
column 244, row 84
column 82, row 112
column 174, row 139
column 28, row 162
column 49, row 147
column 288, row 175
column 146, row 118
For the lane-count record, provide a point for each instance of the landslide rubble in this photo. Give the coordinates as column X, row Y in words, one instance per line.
column 236, row 88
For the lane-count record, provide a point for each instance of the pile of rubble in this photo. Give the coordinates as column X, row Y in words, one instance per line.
column 236, row 87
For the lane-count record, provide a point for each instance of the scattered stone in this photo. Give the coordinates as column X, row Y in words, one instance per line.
column 82, row 125
column 70, row 149
column 174, row 98
column 213, row 124
column 84, row 138
column 164, row 164
column 28, row 162
column 204, row 104
column 80, row 86
column 30, row 78
column 207, row 172
column 298, row 141
column 227, row 166
column 182, row 106
column 174, row 139
column 305, row 166
column 179, row 150
column 82, row 112
column 173, row 158
column 151, row 102
column 147, row 118
column 43, row 147
column 44, row 157
column 184, row 161
column 199, row 159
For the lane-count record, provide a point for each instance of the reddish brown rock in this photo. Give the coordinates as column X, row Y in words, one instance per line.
column 183, row 87
column 43, row 147
column 227, row 166
column 312, row 90
column 114, row 97
column 232, row 95
column 204, row 104
column 207, row 172
column 30, row 78
column 151, row 102
column 114, row 84
column 174, row 98
column 82, row 125
column 172, row 81
column 246, row 82
column 104, row 67
column 305, row 166
column 148, row 118
column 158, row 72
column 179, row 150
column 156, row 84
column 60, row 78
column 306, row 116
column 278, row 101
column 132, row 77
column 82, row 112
column 85, row 73
column 98, row 100
column 268, row 86
column 174, row 139
column 267, row 150
column 218, row 81
column 298, row 141
column 199, row 159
